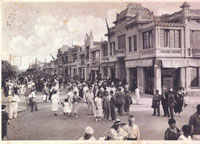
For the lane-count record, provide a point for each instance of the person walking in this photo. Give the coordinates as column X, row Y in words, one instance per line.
column 106, row 106
column 164, row 102
column 99, row 107
column 179, row 103
column 128, row 101
column 5, row 123
column 132, row 129
column 172, row 133
column 171, row 103
column 194, row 122
column 76, row 100
column 90, row 101
column 66, row 109
column 137, row 93
column 112, row 106
column 120, row 101
column 156, row 103
column 13, row 99
column 55, row 102
column 33, row 102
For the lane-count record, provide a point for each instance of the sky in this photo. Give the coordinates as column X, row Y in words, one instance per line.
column 36, row 30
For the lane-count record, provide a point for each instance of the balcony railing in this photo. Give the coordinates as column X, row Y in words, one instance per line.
column 120, row 52
column 164, row 52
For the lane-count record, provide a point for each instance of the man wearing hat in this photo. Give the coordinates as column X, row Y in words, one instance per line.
column 5, row 122
column 132, row 129
column 116, row 132
column 195, row 124
column 88, row 134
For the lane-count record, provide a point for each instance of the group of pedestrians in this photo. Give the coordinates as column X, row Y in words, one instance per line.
column 172, row 102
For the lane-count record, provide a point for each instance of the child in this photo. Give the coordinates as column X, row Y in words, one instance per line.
column 66, row 109
column 99, row 109
column 5, row 122
column 186, row 136
column 172, row 133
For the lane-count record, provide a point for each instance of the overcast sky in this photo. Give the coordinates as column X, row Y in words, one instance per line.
column 33, row 30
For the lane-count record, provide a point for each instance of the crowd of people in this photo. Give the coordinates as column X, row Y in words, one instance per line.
column 172, row 102
column 105, row 100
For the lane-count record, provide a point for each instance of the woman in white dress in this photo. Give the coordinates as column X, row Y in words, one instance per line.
column 55, row 101
column 99, row 108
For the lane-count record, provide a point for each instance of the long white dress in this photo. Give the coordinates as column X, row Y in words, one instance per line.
column 55, row 101
column 99, row 111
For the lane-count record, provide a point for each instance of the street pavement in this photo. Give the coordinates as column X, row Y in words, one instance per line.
column 43, row 125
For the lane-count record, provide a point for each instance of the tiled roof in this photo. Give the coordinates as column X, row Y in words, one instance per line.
column 164, row 24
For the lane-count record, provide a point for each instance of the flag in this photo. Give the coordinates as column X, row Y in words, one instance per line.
column 108, row 32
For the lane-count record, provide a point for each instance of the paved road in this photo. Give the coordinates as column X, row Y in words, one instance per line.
column 42, row 125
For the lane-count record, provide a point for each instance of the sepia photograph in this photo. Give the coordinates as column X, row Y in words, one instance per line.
column 125, row 71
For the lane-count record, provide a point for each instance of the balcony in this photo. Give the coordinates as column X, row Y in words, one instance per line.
column 120, row 52
column 162, row 52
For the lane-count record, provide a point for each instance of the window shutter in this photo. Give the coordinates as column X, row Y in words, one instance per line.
column 177, row 39
column 172, row 39
column 162, row 38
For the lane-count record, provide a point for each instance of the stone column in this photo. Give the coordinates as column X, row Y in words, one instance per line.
column 157, row 78
column 182, row 77
column 188, row 78
column 141, row 79
column 128, row 78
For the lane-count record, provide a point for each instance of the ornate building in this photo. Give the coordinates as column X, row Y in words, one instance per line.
column 152, row 52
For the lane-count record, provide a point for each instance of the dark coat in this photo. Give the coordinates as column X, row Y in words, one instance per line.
column 120, row 98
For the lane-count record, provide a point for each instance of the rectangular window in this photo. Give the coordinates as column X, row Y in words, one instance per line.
column 74, row 57
column 113, row 48
column 135, row 43
column 166, row 38
column 130, row 43
column 195, row 77
column 122, row 41
column 195, row 39
column 105, row 50
column 148, row 39
column 170, row 38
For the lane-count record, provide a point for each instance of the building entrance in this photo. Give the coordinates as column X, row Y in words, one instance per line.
column 170, row 78
column 149, row 80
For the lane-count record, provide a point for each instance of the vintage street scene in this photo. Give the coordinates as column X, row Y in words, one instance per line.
column 100, row 71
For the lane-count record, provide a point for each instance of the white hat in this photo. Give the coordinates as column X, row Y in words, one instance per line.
column 89, row 130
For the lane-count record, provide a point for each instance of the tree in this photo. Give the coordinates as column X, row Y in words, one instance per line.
column 8, row 71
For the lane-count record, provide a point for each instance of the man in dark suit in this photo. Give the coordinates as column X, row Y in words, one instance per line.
column 120, row 101
column 164, row 102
